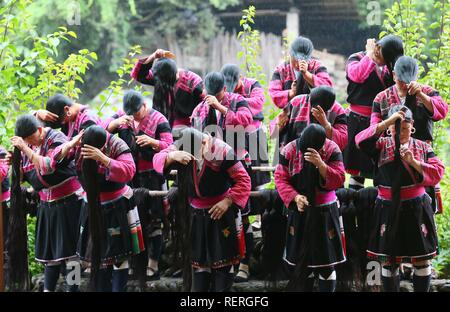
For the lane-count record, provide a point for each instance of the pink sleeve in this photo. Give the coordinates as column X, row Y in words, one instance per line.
column 366, row 134
column 440, row 108
column 335, row 176
column 159, row 159
column 433, row 171
column 47, row 164
column 359, row 71
column 322, row 79
column 136, row 69
column 166, row 139
column 4, row 168
column 242, row 116
column 282, row 181
column 240, row 191
column 340, row 135
column 256, row 100
column 121, row 169
column 279, row 96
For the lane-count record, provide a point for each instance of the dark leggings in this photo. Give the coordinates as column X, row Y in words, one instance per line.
column 219, row 280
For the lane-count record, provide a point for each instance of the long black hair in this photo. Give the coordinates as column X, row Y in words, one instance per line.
column 313, row 136
column 94, row 136
column 394, row 209
column 16, row 244
column 323, row 96
column 56, row 105
column 214, row 83
column 391, row 49
column 165, row 76
column 191, row 142
column 301, row 49
column 406, row 70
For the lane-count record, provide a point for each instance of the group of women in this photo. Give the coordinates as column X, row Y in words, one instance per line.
column 207, row 130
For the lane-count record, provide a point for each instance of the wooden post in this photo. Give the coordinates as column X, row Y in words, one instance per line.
column 2, row 261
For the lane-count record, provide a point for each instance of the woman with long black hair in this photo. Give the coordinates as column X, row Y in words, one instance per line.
column 177, row 91
column 146, row 132
column 110, row 225
column 299, row 75
column 5, row 193
column 64, row 113
column 368, row 73
column 318, row 107
column 219, row 188
column 403, row 226
column 424, row 102
column 55, row 178
column 309, row 172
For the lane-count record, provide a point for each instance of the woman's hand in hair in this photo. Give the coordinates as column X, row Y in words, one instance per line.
column 214, row 103
column 408, row 157
column 302, row 202
column 125, row 120
column 293, row 90
column 219, row 209
column 18, row 142
column 282, row 120
column 181, row 157
column 159, row 53
column 398, row 115
column 370, row 48
column 313, row 157
column 414, row 88
column 45, row 115
column 144, row 141
column 90, row 152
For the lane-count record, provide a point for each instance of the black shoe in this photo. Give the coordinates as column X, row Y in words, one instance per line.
column 241, row 279
column 154, row 277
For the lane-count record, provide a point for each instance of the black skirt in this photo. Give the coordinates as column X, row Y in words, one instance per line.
column 329, row 235
column 57, row 229
column 416, row 237
column 119, row 242
column 355, row 160
column 5, row 208
column 259, row 157
column 216, row 243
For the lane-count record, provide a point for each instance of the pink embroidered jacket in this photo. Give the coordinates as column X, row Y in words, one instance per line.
column 287, row 174
column 284, row 76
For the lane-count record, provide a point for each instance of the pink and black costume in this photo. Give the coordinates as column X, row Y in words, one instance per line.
column 365, row 81
column 60, row 199
column 415, row 238
column 121, row 220
column 5, row 192
column 284, row 76
column 156, row 126
column 215, row 244
column 300, row 117
column 290, row 181
column 188, row 92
